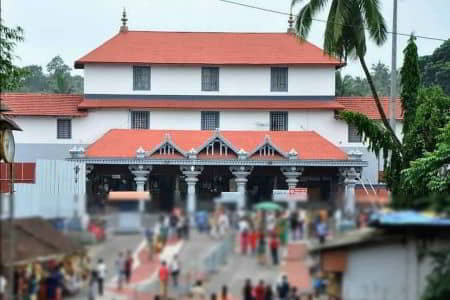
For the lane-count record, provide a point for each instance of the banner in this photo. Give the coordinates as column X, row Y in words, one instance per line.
column 296, row 194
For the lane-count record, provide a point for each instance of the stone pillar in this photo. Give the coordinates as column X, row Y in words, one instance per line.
column 191, row 177
column 140, row 173
column 351, row 176
column 241, row 173
column 292, row 174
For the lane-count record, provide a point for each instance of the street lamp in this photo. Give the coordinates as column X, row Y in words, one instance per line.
column 7, row 151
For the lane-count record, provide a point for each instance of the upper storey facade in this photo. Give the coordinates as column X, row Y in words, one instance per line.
column 139, row 63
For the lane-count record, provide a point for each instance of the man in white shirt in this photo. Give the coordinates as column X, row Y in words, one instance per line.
column 101, row 274
column 3, row 284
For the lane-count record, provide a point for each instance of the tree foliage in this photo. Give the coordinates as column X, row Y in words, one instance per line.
column 345, row 35
column 410, row 82
column 10, row 75
column 57, row 80
column 438, row 286
column 357, row 86
column 435, row 68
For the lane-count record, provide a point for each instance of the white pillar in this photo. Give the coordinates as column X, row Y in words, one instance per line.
column 241, row 173
column 292, row 174
column 191, row 177
column 351, row 176
column 140, row 173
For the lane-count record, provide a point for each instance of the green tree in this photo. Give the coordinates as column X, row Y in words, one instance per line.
column 10, row 75
column 34, row 80
column 345, row 35
column 60, row 78
column 438, row 286
column 410, row 82
column 435, row 68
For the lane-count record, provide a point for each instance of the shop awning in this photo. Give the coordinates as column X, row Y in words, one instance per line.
column 128, row 196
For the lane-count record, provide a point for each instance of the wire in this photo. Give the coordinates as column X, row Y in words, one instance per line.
column 322, row 21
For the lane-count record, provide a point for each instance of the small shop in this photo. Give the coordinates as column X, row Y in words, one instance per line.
column 41, row 254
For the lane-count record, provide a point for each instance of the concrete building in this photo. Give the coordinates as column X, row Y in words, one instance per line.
column 188, row 115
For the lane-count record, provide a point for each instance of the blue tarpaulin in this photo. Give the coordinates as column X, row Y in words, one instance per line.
column 407, row 218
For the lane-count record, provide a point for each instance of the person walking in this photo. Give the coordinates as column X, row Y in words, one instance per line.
column 283, row 288
column 101, row 274
column 262, row 249
column 274, row 244
column 92, row 289
column 260, row 291
column 268, row 294
column 175, row 270
column 164, row 280
column 149, row 237
column 224, row 293
column 247, row 291
column 294, row 224
column 253, row 241
column 33, row 287
column 128, row 266
column 321, row 229
column 3, row 284
column 120, row 268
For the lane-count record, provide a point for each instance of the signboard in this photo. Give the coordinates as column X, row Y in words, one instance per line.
column 229, row 197
column 296, row 195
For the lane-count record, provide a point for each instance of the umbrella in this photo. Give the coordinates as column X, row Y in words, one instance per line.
column 270, row 206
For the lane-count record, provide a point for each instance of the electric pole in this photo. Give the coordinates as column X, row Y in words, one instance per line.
column 392, row 100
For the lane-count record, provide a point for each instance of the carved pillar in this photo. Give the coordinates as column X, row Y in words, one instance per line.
column 351, row 176
column 241, row 173
column 292, row 174
column 140, row 173
column 191, row 177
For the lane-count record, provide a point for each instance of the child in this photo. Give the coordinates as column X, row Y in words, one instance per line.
column 92, row 292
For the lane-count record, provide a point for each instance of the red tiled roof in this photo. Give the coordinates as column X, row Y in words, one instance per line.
column 367, row 106
column 211, row 104
column 123, row 143
column 380, row 198
column 36, row 104
column 216, row 48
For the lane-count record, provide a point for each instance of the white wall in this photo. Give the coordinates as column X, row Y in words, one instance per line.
column 388, row 272
column 175, row 119
column 244, row 120
column 186, row 80
column 85, row 130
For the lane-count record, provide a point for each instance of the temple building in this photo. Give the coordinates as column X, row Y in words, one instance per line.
column 190, row 115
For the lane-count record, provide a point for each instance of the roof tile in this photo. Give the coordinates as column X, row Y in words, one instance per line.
column 218, row 48
column 123, row 143
column 36, row 104
column 367, row 106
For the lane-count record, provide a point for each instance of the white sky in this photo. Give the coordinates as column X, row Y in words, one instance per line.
column 71, row 28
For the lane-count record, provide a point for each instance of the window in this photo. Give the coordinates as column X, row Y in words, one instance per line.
column 210, row 120
column 140, row 119
column 210, row 79
column 353, row 135
column 141, row 78
column 64, row 128
column 279, row 79
column 278, row 121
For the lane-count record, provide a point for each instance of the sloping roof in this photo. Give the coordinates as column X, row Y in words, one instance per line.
column 37, row 104
column 210, row 104
column 367, row 106
column 379, row 197
column 213, row 48
column 123, row 143
column 35, row 239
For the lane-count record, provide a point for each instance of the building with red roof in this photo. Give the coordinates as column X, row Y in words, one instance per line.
column 191, row 115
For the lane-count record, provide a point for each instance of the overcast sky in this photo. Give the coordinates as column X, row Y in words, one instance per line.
column 71, row 28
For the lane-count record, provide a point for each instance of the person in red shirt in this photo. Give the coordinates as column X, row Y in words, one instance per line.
column 260, row 291
column 253, row 241
column 128, row 266
column 274, row 244
column 164, row 280
column 244, row 241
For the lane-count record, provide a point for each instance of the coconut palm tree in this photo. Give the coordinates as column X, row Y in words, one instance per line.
column 345, row 34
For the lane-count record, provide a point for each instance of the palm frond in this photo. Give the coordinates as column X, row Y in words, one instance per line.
column 374, row 20
column 303, row 22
